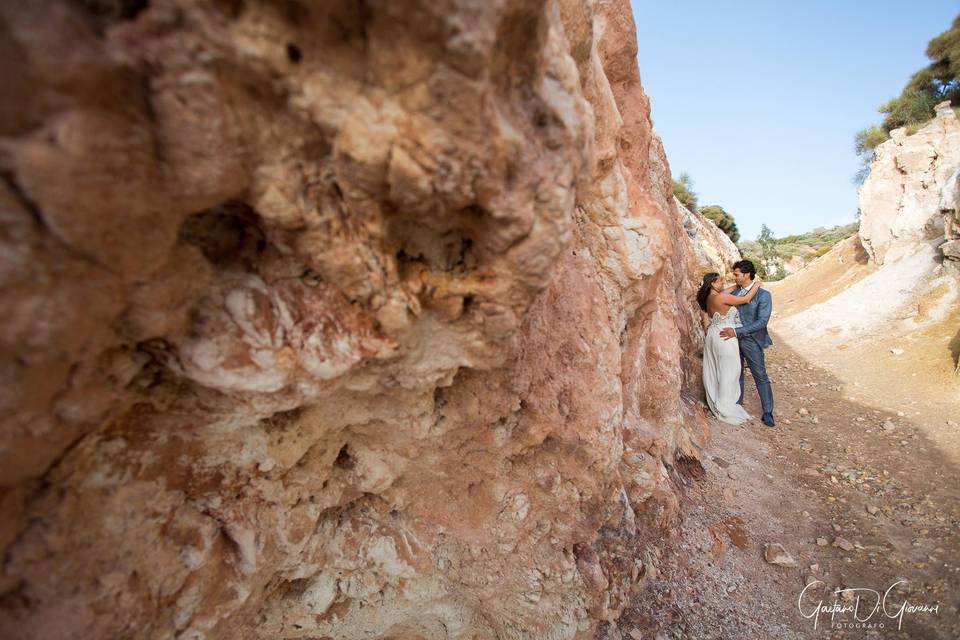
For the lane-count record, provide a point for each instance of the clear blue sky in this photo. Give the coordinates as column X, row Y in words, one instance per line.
column 759, row 101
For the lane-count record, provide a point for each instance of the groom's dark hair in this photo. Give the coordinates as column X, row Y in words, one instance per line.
column 745, row 266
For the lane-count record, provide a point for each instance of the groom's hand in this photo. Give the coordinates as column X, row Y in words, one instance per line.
column 728, row 332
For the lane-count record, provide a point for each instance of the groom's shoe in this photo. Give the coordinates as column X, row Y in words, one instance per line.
column 767, row 419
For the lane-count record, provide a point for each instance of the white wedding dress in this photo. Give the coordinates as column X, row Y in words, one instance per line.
column 721, row 369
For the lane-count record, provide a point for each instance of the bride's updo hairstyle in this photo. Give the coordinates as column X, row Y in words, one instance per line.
column 704, row 291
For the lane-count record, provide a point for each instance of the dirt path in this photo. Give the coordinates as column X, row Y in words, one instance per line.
column 860, row 497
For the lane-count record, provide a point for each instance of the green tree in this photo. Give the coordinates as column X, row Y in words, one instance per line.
column 683, row 190
column 936, row 82
column 765, row 239
column 864, row 143
column 869, row 139
column 928, row 86
column 722, row 219
column 769, row 254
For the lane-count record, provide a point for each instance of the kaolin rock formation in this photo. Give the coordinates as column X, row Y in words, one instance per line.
column 909, row 196
column 335, row 320
column 907, row 231
column 713, row 249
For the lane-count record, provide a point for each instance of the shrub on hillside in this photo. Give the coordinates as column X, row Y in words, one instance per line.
column 866, row 140
column 722, row 219
column 683, row 191
column 938, row 81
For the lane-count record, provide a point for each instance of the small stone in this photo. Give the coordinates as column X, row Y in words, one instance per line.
column 888, row 425
column 803, row 411
column 872, row 510
column 723, row 464
column 896, row 351
column 843, row 543
column 836, row 527
column 731, row 588
column 774, row 553
column 635, row 634
column 731, row 474
column 815, row 568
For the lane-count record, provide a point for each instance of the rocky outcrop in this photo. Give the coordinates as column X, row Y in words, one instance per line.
column 335, row 320
column 714, row 250
column 907, row 223
column 908, row 198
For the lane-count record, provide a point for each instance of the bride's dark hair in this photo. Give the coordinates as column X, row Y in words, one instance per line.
column 704, row 291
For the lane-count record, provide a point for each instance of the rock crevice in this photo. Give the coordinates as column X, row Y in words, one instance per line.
column 342, row 320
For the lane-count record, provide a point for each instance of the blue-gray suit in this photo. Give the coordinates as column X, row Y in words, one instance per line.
column 753, row 338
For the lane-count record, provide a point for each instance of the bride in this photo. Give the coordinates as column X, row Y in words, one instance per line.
column 721, row 357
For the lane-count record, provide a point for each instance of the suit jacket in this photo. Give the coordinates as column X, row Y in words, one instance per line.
column 754, row 316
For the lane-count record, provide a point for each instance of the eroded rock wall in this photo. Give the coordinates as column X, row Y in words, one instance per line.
column 713, row 249
column 908, row 198
column 335, row 319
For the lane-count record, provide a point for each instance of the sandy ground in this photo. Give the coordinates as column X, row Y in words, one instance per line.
column 860, row 486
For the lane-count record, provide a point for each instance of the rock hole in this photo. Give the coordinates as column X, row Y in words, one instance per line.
column 111, row 10
column 439, row 399
column 282, row 419
column 690, row 467
column 344, row 460
column 465, row 258
column 293, row 53
column 226, row 234
column 403, row 256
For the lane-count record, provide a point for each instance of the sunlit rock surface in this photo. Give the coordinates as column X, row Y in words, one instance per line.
column 908, row 226
column 909, row 196
column 335, row 320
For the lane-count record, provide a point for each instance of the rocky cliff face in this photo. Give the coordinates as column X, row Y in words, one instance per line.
column 909, row 195
column 335, row 320
column 714, row 250
column 908, row 283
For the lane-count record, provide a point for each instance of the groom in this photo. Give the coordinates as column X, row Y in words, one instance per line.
column 753, row 336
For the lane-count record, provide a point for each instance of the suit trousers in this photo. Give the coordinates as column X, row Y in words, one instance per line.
column 752, row 353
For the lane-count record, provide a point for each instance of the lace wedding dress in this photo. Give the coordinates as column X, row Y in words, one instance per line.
column 721, row 369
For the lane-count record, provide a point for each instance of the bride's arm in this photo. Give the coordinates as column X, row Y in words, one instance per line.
column 727, row 298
